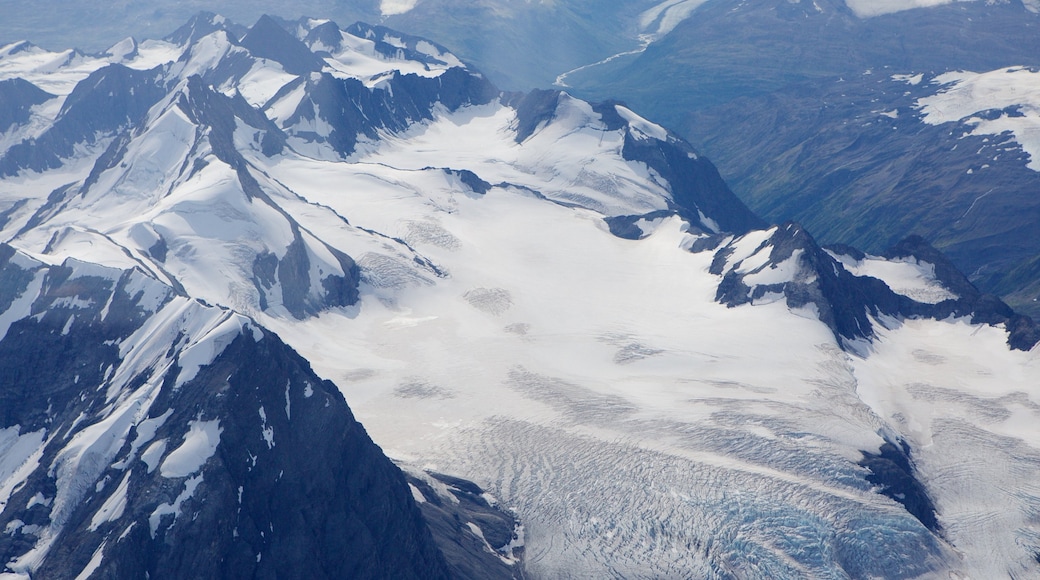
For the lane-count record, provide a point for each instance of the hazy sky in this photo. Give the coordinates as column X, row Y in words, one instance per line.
column 94, row 26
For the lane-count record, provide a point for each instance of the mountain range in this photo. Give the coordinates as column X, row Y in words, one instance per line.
column 586, row 356
column 867, row 127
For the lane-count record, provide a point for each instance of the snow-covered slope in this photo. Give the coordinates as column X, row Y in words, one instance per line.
column 559, row 300
column 868, row 8
column 145, row 433
column 995, row 102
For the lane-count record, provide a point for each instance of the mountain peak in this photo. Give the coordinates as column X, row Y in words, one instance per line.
column 200, row 25
column 267, row 39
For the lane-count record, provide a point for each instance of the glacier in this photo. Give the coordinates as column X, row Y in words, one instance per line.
column 558, row 300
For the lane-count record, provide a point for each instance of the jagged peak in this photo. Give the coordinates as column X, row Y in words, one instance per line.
column 203, row 24
column 851, row 291
column 324, row 37
column 919, row 249
column 269, row 39
column 125, row 49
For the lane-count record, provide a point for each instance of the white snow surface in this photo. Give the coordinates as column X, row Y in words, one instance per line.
column 869, row 8
column 58, row 72
column 19, row 456
column 909, row 277
column 200, row 443
column 663, row 18
column 593, row 384
column 95, row 439
column 970, row 409
column 963, row 95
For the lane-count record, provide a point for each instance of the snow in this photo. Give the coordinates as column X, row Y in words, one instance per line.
column 358, row 59
column 113, row 507
column 908, row 276
column 200, row 443
column 146, row 431
column 262, row 82
column 122, row 49
column 500, row 380
column 593, row 384
column 38, row 499
column 265, row 431
column 912, row 80
column 59, row 72
column 283, row 109
column 20, row 306
column 663, row 18
column 870, row 8
column 969, row 408
column 94, row 563
column 416, row 494
column 642, row 125
column 963, row 95
column 776, row 273
column 19, row 456
column 79, row 465
column 573, row 160
column 153, row 454
column 208, row 347
column 615, row 364
column 205, row 55
column 174, row 509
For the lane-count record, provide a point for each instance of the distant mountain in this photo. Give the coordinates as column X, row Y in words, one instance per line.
column 545, row 310
column 519, row 45
column 818, row 115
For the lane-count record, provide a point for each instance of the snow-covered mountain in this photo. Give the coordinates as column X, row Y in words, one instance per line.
column 809, row 111
column 558, row 300
column 145, row 432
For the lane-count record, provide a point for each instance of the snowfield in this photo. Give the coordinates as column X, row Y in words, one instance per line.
column 639, row 427
column 595, row 384
column 966, row 97
column 869, row 8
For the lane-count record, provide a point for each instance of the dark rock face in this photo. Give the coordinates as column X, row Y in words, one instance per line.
column 328, row 35
column 532, row 110
column 202, row 24
column 470, row 180
column 892, row 470
column 267, row 39
column 855, row 176
column 695, row 184
column 252, row 467
column 625, row 227
column 17, row 97
column 478, row 539
column 218, row 112
column 798, row 108
column 403, row 45
column 846, row 302
column 353, row 110
column 982, row 307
